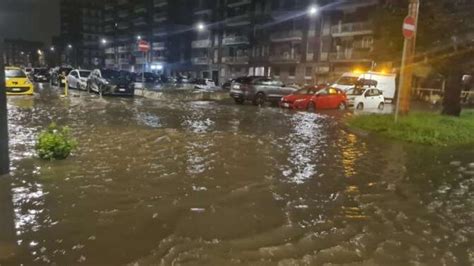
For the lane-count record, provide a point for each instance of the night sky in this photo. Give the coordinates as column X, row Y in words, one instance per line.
column 35, row 20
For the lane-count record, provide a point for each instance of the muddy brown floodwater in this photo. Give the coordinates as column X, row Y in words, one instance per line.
column 213, row 183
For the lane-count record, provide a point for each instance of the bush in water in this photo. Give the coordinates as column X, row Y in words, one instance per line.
column 55, row 143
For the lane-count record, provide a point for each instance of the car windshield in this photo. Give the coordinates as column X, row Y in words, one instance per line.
column 356, row 91
column 14, row 73
column 347, row 81
column 41, row 71
column 84, row 74
column 110, row 74
column 302, row 92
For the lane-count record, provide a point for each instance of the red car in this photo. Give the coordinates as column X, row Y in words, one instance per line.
column 302, row 94
column 326, row 98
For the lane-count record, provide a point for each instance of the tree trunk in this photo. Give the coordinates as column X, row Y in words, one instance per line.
column 452, row 95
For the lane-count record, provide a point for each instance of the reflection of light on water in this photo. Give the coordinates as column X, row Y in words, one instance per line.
column 29, row 203
column 149, row 119
column 304, row 143
column 350, row 151
column 198, row 147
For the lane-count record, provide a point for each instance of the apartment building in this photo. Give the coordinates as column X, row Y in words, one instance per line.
column 224, row 39
column 281, row 38
column 17, row 52
column 80, row 32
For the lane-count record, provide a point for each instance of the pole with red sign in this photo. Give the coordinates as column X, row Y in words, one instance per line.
column 143, row 46
column 406, row 69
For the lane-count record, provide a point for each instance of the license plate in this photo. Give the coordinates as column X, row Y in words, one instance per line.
column 286, row 105
column 121, row 90
column 236, row 87
column 16, row 89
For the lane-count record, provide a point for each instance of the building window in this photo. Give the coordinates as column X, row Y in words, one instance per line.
column 308, row 72
column 292, row 72
column 276, row 71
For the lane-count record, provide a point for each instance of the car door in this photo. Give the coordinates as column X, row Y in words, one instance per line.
column 322, row 99
column 332, row 98
column 74, row 79
column 371, row 98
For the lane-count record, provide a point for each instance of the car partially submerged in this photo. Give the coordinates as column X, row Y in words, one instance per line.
column 111, row 82
column 365, row 98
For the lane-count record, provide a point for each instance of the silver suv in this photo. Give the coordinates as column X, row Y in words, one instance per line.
column 258, row 90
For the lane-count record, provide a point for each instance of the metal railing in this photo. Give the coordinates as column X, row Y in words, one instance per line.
column 351, row 28
column 292, row 35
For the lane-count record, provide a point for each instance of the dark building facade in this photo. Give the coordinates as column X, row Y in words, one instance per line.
column 223, row 39
column 19, row 52
column 80, row 33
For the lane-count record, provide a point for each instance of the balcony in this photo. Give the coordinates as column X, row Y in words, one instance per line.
column 108, row 18
column 201, row 44
column 108, row 7
column 156, row 59
column 236, row 60
column 139, row 21
column 123, row 39
column 109, row 50
column 140, row 60
column 350, row 55
column 139, row 10
column 235, row 40
column 123, row 14
column 239, row 20
column 160, row 17
column 236, row 3
column 110, row 61
column 123, row 26
column 122, row 49
column 351, row 29
column 160, row 3
column 202, row 11
column 200, row 61
column 287, row 36
column 123, row 2
column 124, row 61
column 285, row 58
column 158, row 46
column 108, row 29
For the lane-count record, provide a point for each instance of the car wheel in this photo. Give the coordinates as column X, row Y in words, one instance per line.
column 239, row 100
column 311, row 107
column 342, row 106
column 381, row 106
column 259, row 99
column 360, row 106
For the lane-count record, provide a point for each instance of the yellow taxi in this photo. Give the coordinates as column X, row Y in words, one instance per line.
column 16, row 82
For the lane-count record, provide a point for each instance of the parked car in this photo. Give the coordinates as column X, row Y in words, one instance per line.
column 77, row 79
column 227, row 85
column 41, row 75
column 325, row 98
column 149, row 77
column 258, row 90
column 366, row 98
column 111, row 82
column 17, row 82
column 203, row 84
column 58, row 77
column 304, row 94
column 385, row 82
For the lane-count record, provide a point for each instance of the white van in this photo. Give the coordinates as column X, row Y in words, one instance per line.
column 385, row 82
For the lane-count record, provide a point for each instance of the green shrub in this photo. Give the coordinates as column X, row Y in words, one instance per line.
column 55, row 143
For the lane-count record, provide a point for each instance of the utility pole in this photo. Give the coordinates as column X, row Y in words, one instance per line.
column 406, row 70
column 4, row 159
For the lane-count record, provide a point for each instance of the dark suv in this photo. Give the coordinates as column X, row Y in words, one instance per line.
column 258, row 90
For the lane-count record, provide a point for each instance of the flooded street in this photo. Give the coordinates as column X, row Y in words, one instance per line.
column 213, row 183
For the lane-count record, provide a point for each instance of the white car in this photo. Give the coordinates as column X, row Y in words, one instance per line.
column 366, row 98
column 77, row 79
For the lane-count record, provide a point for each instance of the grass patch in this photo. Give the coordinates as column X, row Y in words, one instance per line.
column 418, row 127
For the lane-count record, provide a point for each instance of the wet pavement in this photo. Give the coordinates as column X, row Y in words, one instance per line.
column 213, row 183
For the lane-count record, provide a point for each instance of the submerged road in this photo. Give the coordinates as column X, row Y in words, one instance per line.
column 213, row 183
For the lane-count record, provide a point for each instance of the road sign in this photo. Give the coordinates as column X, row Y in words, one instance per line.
column 143, row 46
column 409, row 27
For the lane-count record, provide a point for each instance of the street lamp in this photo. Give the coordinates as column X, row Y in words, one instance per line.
column 313, row 10
column 51, row 48
column 69, row 46
column 139, row 37
column 104, row 41
column 201, row 27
